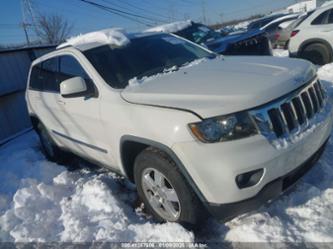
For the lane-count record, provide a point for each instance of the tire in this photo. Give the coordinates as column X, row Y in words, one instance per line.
column 49, row 149
column 317, row 53
column 152, row 163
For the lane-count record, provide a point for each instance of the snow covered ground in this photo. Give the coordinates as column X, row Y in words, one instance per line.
column 43, row 201
column 280, row 52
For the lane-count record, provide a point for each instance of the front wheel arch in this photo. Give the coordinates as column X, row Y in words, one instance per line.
column 140, row 144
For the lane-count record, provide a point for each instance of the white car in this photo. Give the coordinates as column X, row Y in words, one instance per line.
column 193, row 130
column 312, row 39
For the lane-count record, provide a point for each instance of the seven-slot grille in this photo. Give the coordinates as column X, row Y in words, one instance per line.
column 293, row 113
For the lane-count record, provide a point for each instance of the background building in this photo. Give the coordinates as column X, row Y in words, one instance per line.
column 306, row 5
column 14, row 69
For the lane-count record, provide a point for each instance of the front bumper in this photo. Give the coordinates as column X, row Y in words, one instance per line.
column 269, row 192
column 213, row 168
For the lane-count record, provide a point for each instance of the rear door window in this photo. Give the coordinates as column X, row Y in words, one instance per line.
column 36, row 82
column 321, row 19
column 330, row 17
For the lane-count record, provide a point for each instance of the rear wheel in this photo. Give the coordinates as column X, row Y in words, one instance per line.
column 317, row 53
column 164, row 191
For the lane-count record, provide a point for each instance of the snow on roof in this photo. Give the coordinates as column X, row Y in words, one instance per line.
column 114, row 36
column 171, row 27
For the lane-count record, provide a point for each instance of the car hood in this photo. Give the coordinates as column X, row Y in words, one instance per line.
column 223, row 86
column 221, row 44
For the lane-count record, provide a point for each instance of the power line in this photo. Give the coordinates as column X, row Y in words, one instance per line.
column 133, row 6
column 124, row 14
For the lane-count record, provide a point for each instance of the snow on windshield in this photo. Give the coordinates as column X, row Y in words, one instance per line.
column 136, row 82
column 115, row 36
column 171, row 27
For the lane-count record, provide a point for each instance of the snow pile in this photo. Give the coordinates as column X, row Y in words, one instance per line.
column 171, row 27
column 115, row 36
column 239, row 26
column 280, row 53
column 43, row 201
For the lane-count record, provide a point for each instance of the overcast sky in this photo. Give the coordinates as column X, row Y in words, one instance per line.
column 87, row 18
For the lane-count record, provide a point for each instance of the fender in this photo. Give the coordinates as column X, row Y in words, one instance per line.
column 170, row 153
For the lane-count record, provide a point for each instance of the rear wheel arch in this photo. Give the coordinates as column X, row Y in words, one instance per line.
column 132, row 146
column 314, row 41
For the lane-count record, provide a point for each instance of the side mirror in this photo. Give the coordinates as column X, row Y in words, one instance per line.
column 73, row 87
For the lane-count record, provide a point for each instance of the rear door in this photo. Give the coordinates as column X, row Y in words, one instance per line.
column 49, row 104
column 322, row 26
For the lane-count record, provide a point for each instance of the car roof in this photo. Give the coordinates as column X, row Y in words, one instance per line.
column 114, row 36
column 88, row 41
column 281, row 19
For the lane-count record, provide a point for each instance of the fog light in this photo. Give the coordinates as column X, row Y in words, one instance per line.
column 249, row 179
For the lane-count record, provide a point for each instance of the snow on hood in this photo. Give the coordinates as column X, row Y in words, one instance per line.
column 171, row 27
column 114, row 36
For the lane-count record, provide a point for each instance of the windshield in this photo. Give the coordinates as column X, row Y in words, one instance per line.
column 144, row 56
column 199, row 33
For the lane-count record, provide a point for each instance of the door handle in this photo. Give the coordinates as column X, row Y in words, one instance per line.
column 61, row 102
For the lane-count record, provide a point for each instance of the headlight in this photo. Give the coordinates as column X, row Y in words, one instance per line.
column 224, row 128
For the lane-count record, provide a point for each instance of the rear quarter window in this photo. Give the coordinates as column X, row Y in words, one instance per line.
column 36, row 82
column 321, row 19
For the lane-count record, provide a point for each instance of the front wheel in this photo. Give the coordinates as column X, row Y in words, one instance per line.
column 163, row 189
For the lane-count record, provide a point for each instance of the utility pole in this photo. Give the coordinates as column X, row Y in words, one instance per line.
column 28, row 17
column 24, row 26
column 221, row 16
column 172, row 11
column 203, row 8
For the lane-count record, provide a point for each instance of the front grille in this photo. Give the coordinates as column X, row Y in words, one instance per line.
column 292, row 114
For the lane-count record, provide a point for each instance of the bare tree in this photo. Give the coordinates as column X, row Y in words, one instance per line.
column 52, row 29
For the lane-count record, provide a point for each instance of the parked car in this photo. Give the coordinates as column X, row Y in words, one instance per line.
column 272, row 27
column 261, row 22
column 243, row 43
column 283, row 34
column 193, row 130
column 313, row 38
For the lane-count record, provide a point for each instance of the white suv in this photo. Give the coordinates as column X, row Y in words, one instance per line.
column 312, row 39
column 193, row 130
